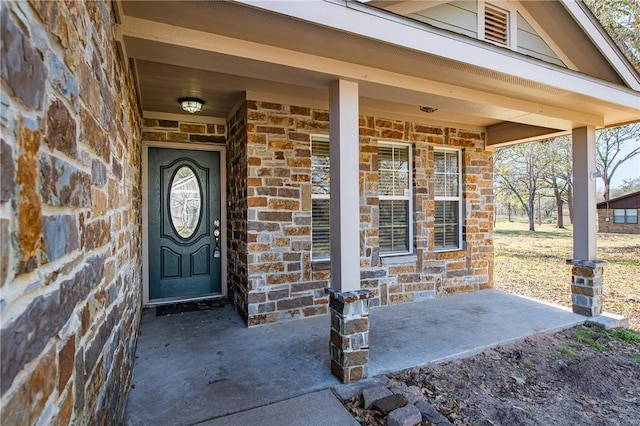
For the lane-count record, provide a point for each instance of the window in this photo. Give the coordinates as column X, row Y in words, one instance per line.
column 448, row 200
column 320, row 198
column 625, row 216
column 395, row 198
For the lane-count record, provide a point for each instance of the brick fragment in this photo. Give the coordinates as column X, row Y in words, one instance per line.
column 431, row 414
column 373, row 394
column 408, row 415
column 389, row 403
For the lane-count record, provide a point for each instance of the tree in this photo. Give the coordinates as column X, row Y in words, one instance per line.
column 520, row 169
column 621, row 20
column 558, row 174
column 628, row 186
column 610, row 153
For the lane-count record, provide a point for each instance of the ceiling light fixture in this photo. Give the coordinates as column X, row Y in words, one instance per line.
column 191, row 105
column 428, row 110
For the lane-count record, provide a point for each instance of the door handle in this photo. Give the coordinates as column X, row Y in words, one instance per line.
column 216, row 237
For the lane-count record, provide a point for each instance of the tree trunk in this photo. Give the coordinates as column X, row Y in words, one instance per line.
column 509, row 209
column 531, row 211
column 539, row 212
column 570, row 202
column 558, row 196
column 560, row 222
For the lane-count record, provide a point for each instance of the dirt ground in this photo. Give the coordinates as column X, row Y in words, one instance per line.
column 581, row 376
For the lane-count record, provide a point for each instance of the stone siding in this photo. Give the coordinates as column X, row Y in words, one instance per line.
column 283, row 283
column 69, row 215
column 187, row 131
column 238, row 282
column 398, row 279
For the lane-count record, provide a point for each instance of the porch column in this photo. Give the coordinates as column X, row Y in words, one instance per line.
column 586, row 271
column 349, row 305
column 344, row 154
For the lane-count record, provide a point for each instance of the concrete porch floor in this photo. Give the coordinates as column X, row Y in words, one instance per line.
column 199, row 366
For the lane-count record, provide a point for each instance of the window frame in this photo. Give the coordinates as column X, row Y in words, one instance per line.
column 409, row 198
column 625, row 217
column 622, row 216
column 323, row 258
column 459, row 198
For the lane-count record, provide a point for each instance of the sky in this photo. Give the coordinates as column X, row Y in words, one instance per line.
column 628, row 170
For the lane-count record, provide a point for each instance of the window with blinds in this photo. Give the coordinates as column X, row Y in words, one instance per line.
column 320, row 198
column 448, row 200
column 395, row 198
column 496, row 24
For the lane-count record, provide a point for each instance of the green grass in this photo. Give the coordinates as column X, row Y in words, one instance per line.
column 625, row 335
column 568, row 353
column 589, row 338
column 533, row 264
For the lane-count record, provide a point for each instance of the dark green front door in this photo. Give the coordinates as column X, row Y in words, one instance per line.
column 184, row 223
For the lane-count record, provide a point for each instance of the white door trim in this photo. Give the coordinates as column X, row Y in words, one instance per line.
column 145, row 210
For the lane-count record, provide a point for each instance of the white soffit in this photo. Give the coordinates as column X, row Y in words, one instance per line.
column 193, row 48
column 255, row 50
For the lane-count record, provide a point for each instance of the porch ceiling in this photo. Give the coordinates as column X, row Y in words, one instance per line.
column 220, row 51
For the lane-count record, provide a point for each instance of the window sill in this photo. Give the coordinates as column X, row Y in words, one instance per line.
column 463, row 247
column 321, row 264
column 398, row 259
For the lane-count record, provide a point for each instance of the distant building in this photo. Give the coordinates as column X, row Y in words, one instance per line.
column 620, row 215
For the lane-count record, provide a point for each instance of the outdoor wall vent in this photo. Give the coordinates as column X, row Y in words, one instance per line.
column 496, row 24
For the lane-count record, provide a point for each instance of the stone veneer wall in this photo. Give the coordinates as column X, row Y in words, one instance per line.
column 69, row 215
column 187, row 131
column 429, row 273
column 237, row 278
column 282, row 281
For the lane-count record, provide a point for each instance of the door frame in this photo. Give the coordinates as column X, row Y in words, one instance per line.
column 145, row 216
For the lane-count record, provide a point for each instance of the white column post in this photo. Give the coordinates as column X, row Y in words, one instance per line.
column 344, row 153
column 587, row 280
column 584, row 193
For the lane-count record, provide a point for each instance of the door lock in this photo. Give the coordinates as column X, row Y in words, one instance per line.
column 216, row 237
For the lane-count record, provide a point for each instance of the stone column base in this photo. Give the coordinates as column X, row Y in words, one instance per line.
column 586, row 286
column 349, row 344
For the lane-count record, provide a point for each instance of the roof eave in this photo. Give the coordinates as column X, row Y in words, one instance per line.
column 622, row 197
column 377, row 24
column 605, row 44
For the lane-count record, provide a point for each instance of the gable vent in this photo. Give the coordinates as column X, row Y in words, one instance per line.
column 496, row 24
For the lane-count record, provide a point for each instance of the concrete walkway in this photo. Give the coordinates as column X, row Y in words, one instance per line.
column 208, row 367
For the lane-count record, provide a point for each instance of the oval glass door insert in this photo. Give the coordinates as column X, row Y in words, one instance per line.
column 185, row 202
